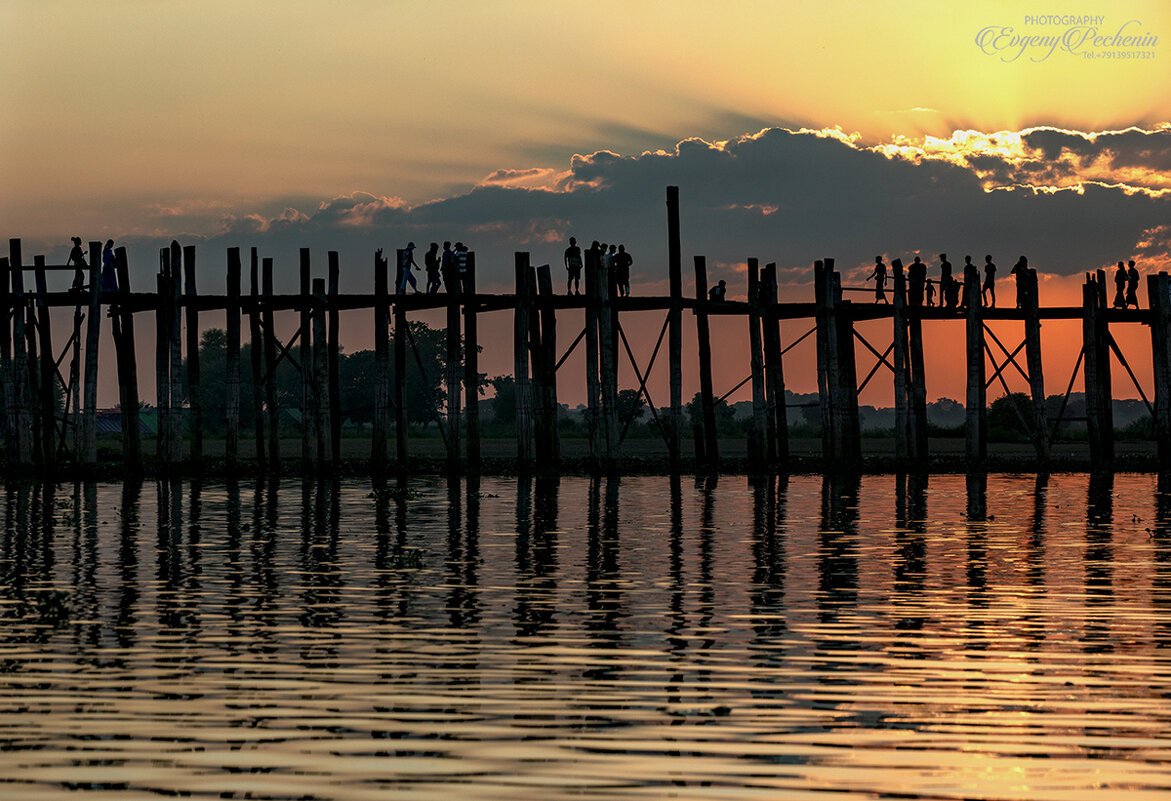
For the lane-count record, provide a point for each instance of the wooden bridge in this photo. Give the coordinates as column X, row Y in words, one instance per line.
column 42, row 438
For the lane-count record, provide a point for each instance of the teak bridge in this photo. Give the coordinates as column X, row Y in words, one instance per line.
column 42, row 438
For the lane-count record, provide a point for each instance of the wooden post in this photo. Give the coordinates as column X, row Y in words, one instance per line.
column 902, row 423
column 471, row 367
column 29, row 312
column 548, row 442
column 675, row 323
column 975, row 411
column 773, row 366
column 607, row 370
column 272, row 412
column 381, row 414
column 709, row 454
column 827, row 371
column 232, row 411
column 321, row 392
column 520, row 360
column 48, row 368
column 89, row 418
column 760, row 427
column 335, row 390
column 194, row 400
column 20, row 362
column 162, row 360
column 847, row 391
column 1030, row 304
column 593, row 390
column 454, row 373
column 128, row 359
column 1159, row 295
column 7, row 388
column 400, row 382
column 1096, row 372
column 256, row 356
column 917, row 393
column 74, row 386
column 308, row 414
column 175, row 341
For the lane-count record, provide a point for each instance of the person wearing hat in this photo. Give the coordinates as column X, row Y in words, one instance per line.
column 405, row 265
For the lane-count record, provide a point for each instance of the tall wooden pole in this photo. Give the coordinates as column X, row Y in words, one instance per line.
column 827, row 373
column 607, row 369
column 548, row 440
column 163, row 359
column 1096, row 371
column 711, row 440
column 256, row 357
column 272, row 412
column 759, row 453
column 232, row 443
column 901, row 379
column 593, row 388
column 847, row 392
column 918, row 375
column 48, row 367
column 1030, row 304
column 175, row 343
column 7, row 386
column 194, row 399
column 520, row 360
column 773, row 366
column 675, row 322
column 400, row 383
column 381, row 416
column 308, row 413
column 454, row 374
column 471, row 367
column 975, row 408
column 1159, row 294
column 93, row 332
column 335, row 400
column 128, row 380
column 321, row 391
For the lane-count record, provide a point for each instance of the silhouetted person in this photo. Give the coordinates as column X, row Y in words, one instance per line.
column 719, row 291
column 432, row 264
column 622, row 264
column 879, row 276
column 1131, row 284
column 573, row 268
column 406, row 265
column 461, row 265
column 929, row 290
column 969, row 269
column 1020, row 271
column 989, row 288
column 917, row 275
column 1120, row 287
column 109, row 268
column 447, row 265
column 77, row 259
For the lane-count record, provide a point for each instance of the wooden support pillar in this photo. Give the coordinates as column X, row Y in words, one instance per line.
column 545, row 367
column 847, row 391
column 163, row 359
column 272, row 412
column 774, row 371
column 7, row 388
column 709, row 455
column 759, row 453
column 20, row 361
column 175, row 342
column 324, row 427
column 607, row 370
column 308, row 413
column 48, row 372
column 128, row 368
column 471, row 367
column 675, row 324
column 1030, row 304
column 400, row 383
column 454, row 374
column 917, row 394
column 194, row 399
column 93, row 330
column 232, row 411
column 29, row 312
column 72, row 417
column 520, row 359
column 827, row 368
column 334, row 323
column 1159, row 295
column 901, row 379
column 256, row 356
column 1096, row 371
column 593, row 389
column 976, row 400
column 381, row 415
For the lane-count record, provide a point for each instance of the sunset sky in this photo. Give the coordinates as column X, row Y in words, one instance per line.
column 794, row 131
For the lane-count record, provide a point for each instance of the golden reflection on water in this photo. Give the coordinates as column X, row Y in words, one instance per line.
column 943, row 637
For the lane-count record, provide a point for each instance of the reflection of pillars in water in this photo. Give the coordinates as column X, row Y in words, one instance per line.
column 910, row 568
column 234, row 602
column 603, row 591
column 125, row 625
column 194, row 531
column 977, row 562
column 389, row 547
column 173, row 611
column 463, row 606
column 524, row 516
column 14, row 568
column 1099, row 558
column 265, row 582
column 320, row 572
column 1161, row 535
column 768, row 576
column 1034, row 625
column 85, row 563
column 536, row 543
column 837, row 564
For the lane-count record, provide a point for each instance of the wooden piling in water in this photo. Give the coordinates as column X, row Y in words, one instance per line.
column 607, row 369
column 471, row 367
column 334, row 325
column 548, row 444
column 124, row 344
column 1030, row 303
column 232, row 410
column 381, row 413
column 976, row 441
column 20, row 361
column 308, row 415
column 1159, row 295
column 175, row 357
column 900, row 350
column 400, row 385
column 709, row 456
column 256, row 356
column 7, row 388
column 1096, row 372
column 522, row 385
column 761, row 451
column 163, row 359
column 29, row 312
column 48, row 372
column 93, row 330
column 268, row 334
column 593, row 387
column 453, row 373
column 847, row 391
column 774, row 371
column 675, row 325
column 321, row 388
column 918, row 377
column 194, row 398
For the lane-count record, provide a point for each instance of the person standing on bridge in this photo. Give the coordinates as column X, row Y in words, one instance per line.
column 405, row 265
column 989, row 288
column 77, row 259
column 944, row 280
column 573, row 268
column 917, row 278
column 1131, row 285
column 879, row 276
column 109, row 269
column 431, row 264
column 622, row 264
column 1020, row 270
column 1120, row 287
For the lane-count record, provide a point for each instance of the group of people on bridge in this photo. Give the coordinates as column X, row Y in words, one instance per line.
column 109, row 275
column 448, row 269
column 614, row 260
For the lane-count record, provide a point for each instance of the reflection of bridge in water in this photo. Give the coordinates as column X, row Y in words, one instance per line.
column 40, row 435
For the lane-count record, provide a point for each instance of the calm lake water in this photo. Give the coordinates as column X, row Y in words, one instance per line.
column 1006, row 637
